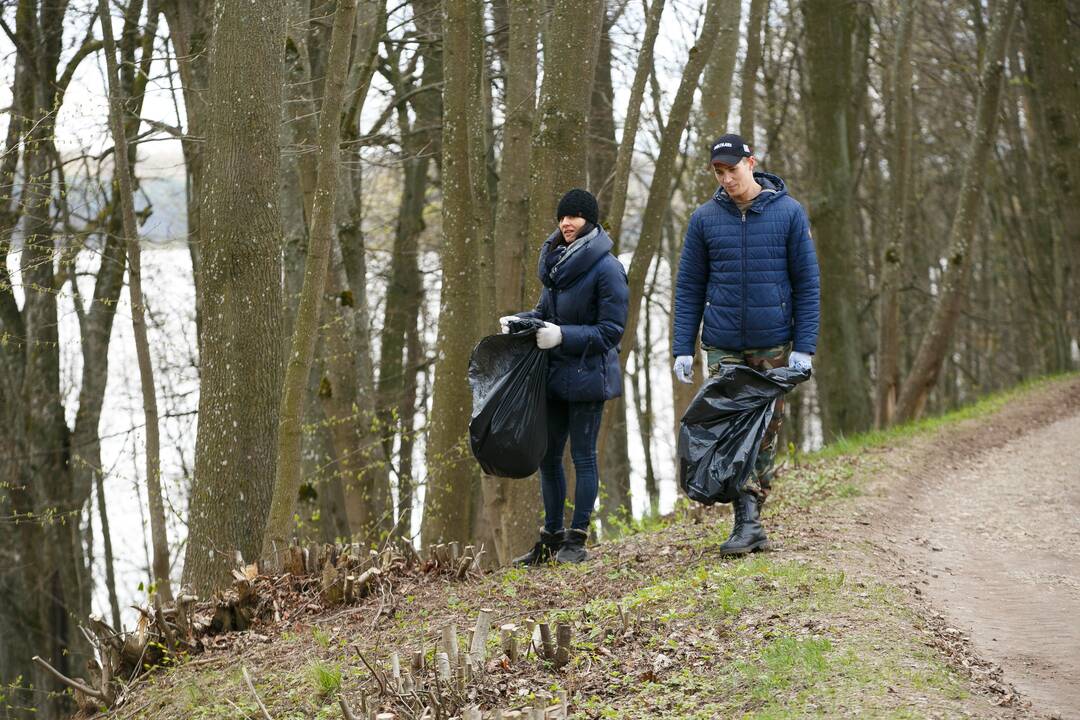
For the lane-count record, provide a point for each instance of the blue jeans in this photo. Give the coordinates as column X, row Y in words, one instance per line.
column 580, row 421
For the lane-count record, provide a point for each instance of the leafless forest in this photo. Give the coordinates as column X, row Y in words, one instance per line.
column 358, row 190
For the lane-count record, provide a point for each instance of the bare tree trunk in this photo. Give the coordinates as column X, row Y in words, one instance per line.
column 643, row 395
column 602, row 145
column 613, row 460
column 96, row 321
column 510, row 505
column 138, row 314
column 513, row 244
column 660, row 189
column 892, row 262
column 397, row 378
column 660, row 196
column 621, row 179
column 448, row 506
column 1051, row 56
column 751, row 64
column 664, row 171
column 241, row 349
column 190, row 30
column 367, row 491
column 712, row 115
column 305, row 327
column 927, row 366
column 682, row 393
column 1049, row 269
column 106, row 537
column 840, row 370
column 558, row 159
column 38, row 606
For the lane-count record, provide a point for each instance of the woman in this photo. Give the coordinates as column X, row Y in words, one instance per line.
column 583, row 305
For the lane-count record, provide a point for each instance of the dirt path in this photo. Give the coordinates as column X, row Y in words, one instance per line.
column 984, row 523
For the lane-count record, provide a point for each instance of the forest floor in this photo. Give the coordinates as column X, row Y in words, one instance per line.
column 926, row 572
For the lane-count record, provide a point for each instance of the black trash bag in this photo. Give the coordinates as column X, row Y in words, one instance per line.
column 508, row 376
column 721, row 431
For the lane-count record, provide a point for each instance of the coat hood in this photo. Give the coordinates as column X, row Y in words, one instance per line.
column 772, row 188
column 577, row 259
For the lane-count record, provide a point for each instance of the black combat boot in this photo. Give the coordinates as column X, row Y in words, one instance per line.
column 573, row 547
column 747, row 535
column 543, row 551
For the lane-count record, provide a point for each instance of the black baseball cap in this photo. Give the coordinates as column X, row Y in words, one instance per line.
column 729, row 149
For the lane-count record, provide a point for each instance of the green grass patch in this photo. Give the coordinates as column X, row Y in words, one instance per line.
column 776, row 638
column 326, row 677
column 978, row 409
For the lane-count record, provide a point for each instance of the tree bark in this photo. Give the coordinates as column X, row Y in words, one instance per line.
column 840, row 370
column 602, row 145
column 510, row 505
column 682, row 393
column 452, row 476
column 751, row 64
column 1050, row 52
column 660, row 188
column 40, row 487
column 159, row 540
column 623, row 159
column 191, row 27
column 712, row 115
column 892, row 261
column 242, row 349
column 305, row 327
column 106, row 537
column 559, row 147
column 935, row 342
column 349, row 368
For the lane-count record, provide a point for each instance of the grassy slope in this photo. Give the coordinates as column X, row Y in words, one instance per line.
column 792, row 633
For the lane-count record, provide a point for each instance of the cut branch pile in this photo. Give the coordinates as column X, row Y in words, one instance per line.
column 454, row 681
column 312, row 577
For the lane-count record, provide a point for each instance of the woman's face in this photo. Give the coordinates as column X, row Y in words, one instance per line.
column 569, row 226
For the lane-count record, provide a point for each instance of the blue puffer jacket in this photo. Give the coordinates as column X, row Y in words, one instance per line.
column 587, row 295
column 753, row 280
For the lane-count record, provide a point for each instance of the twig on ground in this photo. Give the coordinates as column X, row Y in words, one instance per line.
column 74, row 684
column 258, row 700
column 345, row 709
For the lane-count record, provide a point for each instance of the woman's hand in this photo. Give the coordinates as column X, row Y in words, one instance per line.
column 504, row 323
column 548, row 336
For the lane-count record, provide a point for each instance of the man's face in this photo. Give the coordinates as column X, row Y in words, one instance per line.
column 569, row 226
column 737, row 180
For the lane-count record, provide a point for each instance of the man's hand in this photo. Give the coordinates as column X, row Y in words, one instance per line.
column 548, row 336
column 801, row 362
column 684, row 368
column 504, row 323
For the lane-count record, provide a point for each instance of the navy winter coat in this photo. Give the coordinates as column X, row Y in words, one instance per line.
column 752, row 279
column 587, row 295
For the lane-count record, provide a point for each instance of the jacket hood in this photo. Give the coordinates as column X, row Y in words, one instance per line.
column 577, row 259
column 772, row 188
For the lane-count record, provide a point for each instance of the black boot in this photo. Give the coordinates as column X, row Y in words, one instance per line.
column 573, row 547
column 747, row 535
column 543, row 551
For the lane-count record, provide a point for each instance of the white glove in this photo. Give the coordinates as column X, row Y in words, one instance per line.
column 801, row 362
column 548, row 336
column 684, row 368
column 504, row 323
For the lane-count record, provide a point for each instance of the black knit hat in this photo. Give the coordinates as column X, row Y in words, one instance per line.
column 579, row 203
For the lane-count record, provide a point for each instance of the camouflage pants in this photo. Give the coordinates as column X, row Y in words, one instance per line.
column 760, row 481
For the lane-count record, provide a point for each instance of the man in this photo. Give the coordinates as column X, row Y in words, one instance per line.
column 748, row 277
